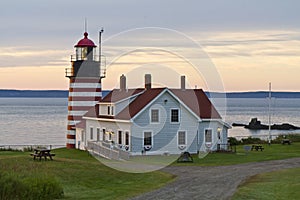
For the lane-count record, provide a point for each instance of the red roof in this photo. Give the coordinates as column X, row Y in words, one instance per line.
column 195, row 99
column 117, row 95
column 198, row 102
column 85, row 42
column 139, row 103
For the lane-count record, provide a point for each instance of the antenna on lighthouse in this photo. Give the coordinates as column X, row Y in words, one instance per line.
column 85, row 25
column 100, row 42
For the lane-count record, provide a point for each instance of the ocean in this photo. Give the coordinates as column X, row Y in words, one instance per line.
column 43, row 121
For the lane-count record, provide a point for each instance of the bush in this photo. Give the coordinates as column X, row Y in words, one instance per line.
column 292, row 137
column 251, row 140
column 233, row 141
column 15, row 187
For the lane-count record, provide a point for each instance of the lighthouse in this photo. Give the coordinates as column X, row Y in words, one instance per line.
column 85, row 74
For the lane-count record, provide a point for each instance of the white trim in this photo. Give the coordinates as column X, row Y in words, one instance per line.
column 98, row 128
column 72, row 122
column 179, row 116
column 107, row 120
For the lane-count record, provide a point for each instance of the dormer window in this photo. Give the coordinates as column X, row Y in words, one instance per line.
column 110, row 110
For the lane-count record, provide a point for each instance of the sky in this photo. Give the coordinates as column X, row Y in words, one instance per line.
column 230, row 45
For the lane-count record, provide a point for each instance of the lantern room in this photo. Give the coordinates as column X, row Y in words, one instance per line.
column 85, row 49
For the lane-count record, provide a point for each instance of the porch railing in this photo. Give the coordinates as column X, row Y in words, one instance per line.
column 107, row 151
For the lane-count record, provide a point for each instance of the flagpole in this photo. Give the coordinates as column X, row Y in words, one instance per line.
column 270, row 137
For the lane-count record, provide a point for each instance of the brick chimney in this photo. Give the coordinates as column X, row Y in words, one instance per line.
column 182, row 83
column 147, row 81
column 123, row 82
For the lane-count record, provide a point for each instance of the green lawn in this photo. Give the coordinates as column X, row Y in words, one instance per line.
column 272, row 152
column 283, row 184
column 82, row 176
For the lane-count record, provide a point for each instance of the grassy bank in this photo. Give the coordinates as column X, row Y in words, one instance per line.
column 82, row 176
column 283, row 184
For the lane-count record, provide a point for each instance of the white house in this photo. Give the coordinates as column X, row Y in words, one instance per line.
column 153, row 121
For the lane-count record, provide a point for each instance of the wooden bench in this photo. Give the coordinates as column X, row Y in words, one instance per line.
column 257, row 147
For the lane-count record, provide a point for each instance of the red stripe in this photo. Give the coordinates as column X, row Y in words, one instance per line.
column 70, row 136
column 85, row 80
column 98, row 98
column 85, row 90
column 75, row 118
column 79, row 108
column 70, row 127
column 70, row 146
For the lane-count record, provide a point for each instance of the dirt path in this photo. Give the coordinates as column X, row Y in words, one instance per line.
column 213, row 182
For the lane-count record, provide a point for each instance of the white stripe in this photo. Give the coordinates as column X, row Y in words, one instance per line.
column 82, row 103
column 71, row 141
column 73, row 122
column 85, row 94
column 85, row 85
column 77, row 112
column 71, row 132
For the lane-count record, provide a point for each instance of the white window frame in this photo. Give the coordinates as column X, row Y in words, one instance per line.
column 143, row 141
column 178, row 115
column 154, row 122
column 185, row 137
column 208, row 129
column 91, row 132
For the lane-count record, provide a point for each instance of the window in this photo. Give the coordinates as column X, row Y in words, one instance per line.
column 112, row 110
column 103, row 134
column 91, row 133
column 119, row 137
column 174, row 115
column 219, row 133
column 98, row 134
column 108, row 110
column 154, row 115
column 147, row 138
column 110, row 135
column 82, row 136
column 208, row 135
column 181, row 138
column 126, row 138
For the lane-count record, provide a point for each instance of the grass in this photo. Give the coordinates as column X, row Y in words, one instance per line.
column 283, row 184
column 82, row 176
column 272, row 152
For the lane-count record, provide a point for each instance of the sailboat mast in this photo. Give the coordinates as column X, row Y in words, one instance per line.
column 270, row 137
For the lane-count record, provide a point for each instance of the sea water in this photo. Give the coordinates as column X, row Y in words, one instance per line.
column 38, row 121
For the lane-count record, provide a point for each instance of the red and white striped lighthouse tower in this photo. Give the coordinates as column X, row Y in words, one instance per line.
column 85, row 76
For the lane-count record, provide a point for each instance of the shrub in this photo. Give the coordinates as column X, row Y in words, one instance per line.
column 233, row 141
column 251, row 140
column 17, row 187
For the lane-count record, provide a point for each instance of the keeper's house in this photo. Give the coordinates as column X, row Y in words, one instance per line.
column 153, row 121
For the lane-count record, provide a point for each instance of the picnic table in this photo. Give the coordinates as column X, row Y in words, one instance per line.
column 257, row 147
column 286, row 141
column 40, row 153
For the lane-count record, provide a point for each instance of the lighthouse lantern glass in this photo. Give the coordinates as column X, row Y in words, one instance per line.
column 81, row 53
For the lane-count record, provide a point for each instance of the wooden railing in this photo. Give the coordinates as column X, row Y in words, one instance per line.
column 106, row 151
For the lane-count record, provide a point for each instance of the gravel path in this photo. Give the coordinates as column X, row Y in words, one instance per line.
column 195, row 182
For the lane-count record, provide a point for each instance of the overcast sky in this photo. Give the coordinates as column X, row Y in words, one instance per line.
column 249, row 42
